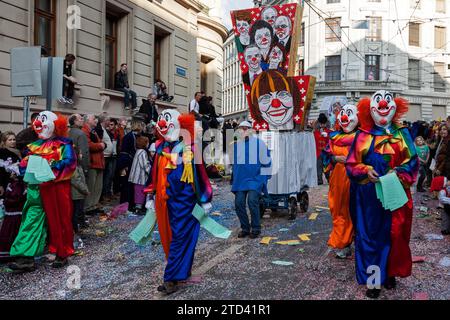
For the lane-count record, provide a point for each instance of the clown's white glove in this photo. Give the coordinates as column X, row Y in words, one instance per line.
column 207, row 207
column 149, row 204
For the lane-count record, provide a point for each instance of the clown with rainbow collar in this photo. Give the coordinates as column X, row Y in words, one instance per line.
column 180, row 184
column 381, row 146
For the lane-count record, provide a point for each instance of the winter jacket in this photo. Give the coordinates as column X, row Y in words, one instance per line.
column 149, row 111
column 108, row 152
column 251, row 166
column 322, row 139
column 96, row 147
column 5, row 155
column 79, row 187
column 80, row 142
column 442, row 162
column 25, row 137
column 140, row 168
column 127, row 151
column 15, row 197
column 121, row 80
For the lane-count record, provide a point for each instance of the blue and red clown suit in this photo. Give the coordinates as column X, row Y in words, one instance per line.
column 57, row 149
column 179, row 184
column 381, row 145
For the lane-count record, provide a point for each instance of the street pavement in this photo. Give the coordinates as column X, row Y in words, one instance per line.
column 113, row 267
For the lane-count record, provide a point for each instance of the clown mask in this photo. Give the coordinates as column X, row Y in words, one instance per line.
column 348, row 118
column 282, row 28
column 382, row 108
column 44, row 125
column 276, row 108
column 168, row 125
column 253, row 58
column 276, row 56
column 243, row 27
column 270, row 15
column 263, row 38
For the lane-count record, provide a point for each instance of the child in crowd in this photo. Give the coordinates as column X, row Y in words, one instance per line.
column 444, row 199
column 14, row 200
column 423, row 151
column 140, row 171
column 152, row 152
column 79, row 192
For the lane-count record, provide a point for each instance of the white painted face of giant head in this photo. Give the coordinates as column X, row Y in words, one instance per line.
column 168, row 125
column 275, row 56
column 382, row 108
column 348, row 118
column 243, row 27
column 283, row 27
column 44, row 125
column 270, row 15
column 263, row 38
column 276, row 108
column 253, row 57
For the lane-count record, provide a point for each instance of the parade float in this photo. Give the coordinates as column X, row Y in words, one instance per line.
column 279, row 100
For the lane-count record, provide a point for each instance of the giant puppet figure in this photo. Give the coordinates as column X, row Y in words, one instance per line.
column 57, row 150
column 335, row 155
column 267, row 42
column 381, row 146
column 180, row 184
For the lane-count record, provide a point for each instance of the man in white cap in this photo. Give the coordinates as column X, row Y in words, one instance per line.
column 251, row 171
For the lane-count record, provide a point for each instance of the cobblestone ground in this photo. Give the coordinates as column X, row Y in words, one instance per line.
column 113, row 267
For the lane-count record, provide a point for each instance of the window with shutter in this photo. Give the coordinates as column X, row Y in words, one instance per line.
column 439, row 37
column 414, row 74
column 372, row 67
column 374, row 31
column 439, row 74
column 45, row 26
column 414, row 34
column 440, row 6
column 333, row 68
column 332, row 29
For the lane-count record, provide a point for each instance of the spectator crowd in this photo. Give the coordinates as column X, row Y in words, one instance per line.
column 114, row 161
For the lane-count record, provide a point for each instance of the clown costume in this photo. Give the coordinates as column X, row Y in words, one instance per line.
column 335, row 155
column 381, row 146
column 179, row 184
column 55, row 195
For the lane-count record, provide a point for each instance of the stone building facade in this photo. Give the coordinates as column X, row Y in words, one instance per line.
column 174, row 40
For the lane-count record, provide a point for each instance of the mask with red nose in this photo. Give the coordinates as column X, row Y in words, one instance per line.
column 348, row 118
column 168, row 125
column 44, row 125
column 382, row 108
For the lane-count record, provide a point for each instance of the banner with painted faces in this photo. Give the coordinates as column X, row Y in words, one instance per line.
column 267, row 36
column 267, row 44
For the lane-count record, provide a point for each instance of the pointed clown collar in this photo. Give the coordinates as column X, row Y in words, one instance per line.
column 342, row 139
column 171, row 151
column 384, row 137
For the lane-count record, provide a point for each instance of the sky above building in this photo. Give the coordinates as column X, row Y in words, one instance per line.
column 230, row 5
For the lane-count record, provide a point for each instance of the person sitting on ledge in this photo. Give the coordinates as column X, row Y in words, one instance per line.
column 160, row 90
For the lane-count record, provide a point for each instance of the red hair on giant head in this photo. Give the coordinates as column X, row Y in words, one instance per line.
column 365, row 118
column 187, row 125
column 402, row 109
column 61, row 126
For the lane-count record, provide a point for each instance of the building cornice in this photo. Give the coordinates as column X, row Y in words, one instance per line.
column 195, row 5
column 213, row 24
